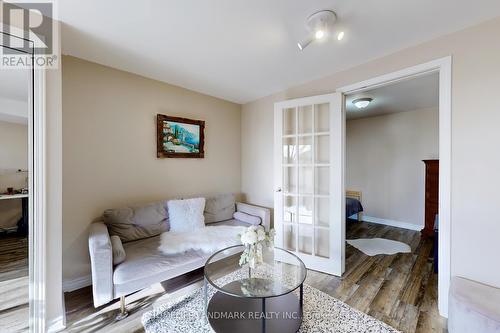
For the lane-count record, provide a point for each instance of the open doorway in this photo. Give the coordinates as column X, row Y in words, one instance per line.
column 442, row 67
column 15, row 145
column 392, row 160
column 390, row 131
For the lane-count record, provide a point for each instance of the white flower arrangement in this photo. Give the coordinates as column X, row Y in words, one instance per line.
column 253, row 239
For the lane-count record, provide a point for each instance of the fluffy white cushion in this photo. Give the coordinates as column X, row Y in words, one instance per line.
column 247, row 218
column 208, row 239
column 119, row 254
column 186, row 215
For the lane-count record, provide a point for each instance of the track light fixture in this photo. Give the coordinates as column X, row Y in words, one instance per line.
column 320, row 26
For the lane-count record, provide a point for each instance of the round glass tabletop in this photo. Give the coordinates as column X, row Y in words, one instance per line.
column 281, row 272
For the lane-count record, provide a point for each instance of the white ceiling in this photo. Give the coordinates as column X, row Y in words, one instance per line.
column 413, row 94
column 241, row 50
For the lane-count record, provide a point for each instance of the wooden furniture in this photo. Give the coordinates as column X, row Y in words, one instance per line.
column 355, row 195
column 431, row 196
column 22, row 225
column 436, row 244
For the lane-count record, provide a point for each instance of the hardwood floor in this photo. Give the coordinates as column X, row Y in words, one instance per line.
column 400, row 289
column 14, row 310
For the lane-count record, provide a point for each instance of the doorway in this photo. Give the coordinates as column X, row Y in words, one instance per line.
column 16, row 147
column 442, row 67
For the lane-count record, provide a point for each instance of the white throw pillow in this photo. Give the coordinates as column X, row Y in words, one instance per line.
column 186, row 215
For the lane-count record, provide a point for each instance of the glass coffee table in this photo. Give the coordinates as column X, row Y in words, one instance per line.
column 267, row 299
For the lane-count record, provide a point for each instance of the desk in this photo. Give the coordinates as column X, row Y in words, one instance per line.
column 22, row 225
column 13, row 196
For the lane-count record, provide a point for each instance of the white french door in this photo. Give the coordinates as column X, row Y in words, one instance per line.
column 309, row 205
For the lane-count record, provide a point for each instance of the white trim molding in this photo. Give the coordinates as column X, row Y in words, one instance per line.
column 77, row 283
column 56, row 325
column 444, row 67
column 37, row 204
column 392, row 223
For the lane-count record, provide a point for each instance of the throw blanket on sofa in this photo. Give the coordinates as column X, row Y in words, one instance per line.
column 207, row 239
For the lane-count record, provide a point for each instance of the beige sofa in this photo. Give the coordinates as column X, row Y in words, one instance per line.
column 145, row 264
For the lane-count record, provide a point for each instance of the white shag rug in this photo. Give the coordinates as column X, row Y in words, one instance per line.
column 206, row 239
column 322, row 313
column 376, row 246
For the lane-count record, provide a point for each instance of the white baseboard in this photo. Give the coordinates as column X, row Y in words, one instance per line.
column 392, row 223
column 77, row 283
column 57, row 325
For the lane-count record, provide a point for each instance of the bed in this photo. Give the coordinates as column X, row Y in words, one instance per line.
column 353, row 204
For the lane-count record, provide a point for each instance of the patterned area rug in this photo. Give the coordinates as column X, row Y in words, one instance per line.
column 322, row 313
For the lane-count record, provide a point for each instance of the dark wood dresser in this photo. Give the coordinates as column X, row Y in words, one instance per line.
column 431, row 196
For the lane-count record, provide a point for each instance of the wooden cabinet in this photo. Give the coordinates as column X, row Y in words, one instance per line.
column 431, row 196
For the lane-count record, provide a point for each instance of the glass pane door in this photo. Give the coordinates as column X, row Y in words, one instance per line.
column 306, row 216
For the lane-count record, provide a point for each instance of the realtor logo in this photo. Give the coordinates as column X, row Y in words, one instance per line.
column 28, row 34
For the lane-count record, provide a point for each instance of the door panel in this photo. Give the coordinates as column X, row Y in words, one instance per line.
column 309, row 166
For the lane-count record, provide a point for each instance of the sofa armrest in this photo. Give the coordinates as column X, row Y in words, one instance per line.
column 101, row 262
column 263, row 213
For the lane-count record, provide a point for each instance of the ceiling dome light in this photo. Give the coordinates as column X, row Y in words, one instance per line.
column 362, row 103
column 340, row 36
column 319, row 25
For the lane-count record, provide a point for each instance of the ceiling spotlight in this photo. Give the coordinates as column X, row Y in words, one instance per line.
column 319, row 34
column 340, row 35
column 362, row 103
column 303, row 44
column 319, row 25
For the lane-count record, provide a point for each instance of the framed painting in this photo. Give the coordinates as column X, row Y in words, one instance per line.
column 179, row 137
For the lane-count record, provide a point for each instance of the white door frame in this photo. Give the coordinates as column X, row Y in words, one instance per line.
column 443, row 67
column 36, row 196
column 38, row 242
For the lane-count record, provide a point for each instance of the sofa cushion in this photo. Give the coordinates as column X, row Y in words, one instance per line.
column 145, row 264
column 186, row 215
column 233, row 222
column 119, row 254
column 133, row 223
column 247, row 218
column 219, row 207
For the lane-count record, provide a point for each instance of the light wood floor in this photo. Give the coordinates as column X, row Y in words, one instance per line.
column 400, row 289
column 14, row 310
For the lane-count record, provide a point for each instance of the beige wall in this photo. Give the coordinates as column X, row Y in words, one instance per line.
column 109, row 148
column 475, row 138
column 13, row 156
column 384, row 162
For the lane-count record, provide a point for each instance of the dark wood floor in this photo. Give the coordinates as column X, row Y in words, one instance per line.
column 14, row 310
column 400, row 289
